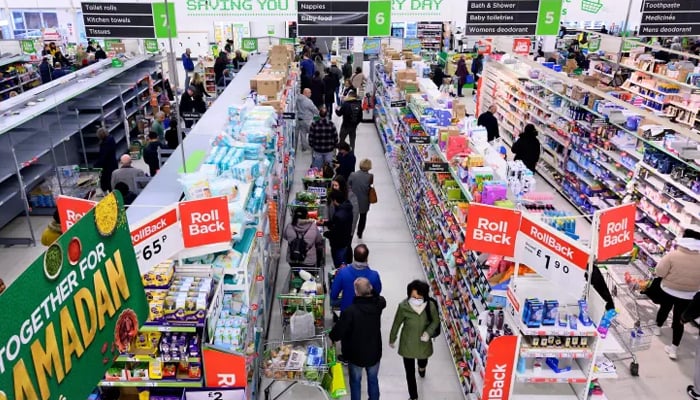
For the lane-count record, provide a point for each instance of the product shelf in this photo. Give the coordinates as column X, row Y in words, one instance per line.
column 153, row 383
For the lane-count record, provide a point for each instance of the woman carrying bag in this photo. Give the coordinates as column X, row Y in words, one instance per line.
column 418, row 324
column 304, row 240
column 360, row 182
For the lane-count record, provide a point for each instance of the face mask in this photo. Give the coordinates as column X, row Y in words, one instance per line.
column 415, row 302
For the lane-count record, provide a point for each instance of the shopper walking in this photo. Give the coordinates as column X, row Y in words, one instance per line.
column 679, row 271
column 339, row 183
column 304, row 240
column 462, row 73
column 188, row 65
column 346, row 89
column 187, row 105
column 323, row 139
column 306, row 112
column 527, row 148
column 126, row 173
column 107, row 159
column 318, row 89
column 488, row 120
column 358, row 80
column 351, row 111
column 418, row 320
column 477, row 68
column 220, row 65
column 319, row 65
column 45, row 70
column 692, row 313
column 339, row 233
column 344, row 161
column 330, row 89
column 360, row 335
column 100, row 54
column 150, row 153
column 345, row 277
column 360, row 183
column 438, row 76
column 347, row 68
column 338, row 75
column 198, row 84
column 157, row 126
column 308, row 66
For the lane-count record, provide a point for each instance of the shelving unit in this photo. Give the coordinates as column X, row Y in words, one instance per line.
column 59, row 126
column 593, row 156
column 19, row 75
column 430, row 35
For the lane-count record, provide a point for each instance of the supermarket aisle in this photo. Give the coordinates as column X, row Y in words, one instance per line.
column 393, row 254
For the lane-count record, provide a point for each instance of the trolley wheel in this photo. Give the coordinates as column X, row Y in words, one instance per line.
column 634, row 368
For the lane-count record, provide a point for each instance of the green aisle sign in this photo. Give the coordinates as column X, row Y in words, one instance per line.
column 27, row 46
column 548, row 17
column 109, row 42
column 73, row 310
column 379, row 23
column 291, row 41
column 151, row 45
column 163, row 19
column 249, row 44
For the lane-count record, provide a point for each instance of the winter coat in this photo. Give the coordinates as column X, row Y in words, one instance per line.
column 347, row 70
column 355, row 210
column 187, row 63
column 337, row 74
column 51, row 233
column 312, row 237
column 317, row 90
column 462, row 72
column 359, row 182
column 344, row 283
column 346, row 164
column 45, row 71
column 186, row 103
column 527, row 149
column 679, row 270
column 489, row 121
column 107, row 160
column 359, row 331
column 308, row 66
column 412, row 326
column 438, row 77
column 329, row 86
column 339, row 231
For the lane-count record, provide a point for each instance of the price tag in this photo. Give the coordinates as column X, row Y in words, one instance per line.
column 416, row 139
column 157, row 240
column 436, row 167
column 217, row 394
column 398, row 103
column 553, row 256
column 288, row 115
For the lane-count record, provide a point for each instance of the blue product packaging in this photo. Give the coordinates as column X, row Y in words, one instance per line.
column 605, row 323
column 550, row 313
column 583, row 313
column 535, row 318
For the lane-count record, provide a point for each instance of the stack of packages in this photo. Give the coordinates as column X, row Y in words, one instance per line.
column 235, row 168
column 270, row 82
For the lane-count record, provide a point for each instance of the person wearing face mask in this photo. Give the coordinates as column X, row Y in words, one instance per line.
column 417, row 327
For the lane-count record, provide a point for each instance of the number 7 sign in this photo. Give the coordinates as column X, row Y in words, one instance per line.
column 164, row 20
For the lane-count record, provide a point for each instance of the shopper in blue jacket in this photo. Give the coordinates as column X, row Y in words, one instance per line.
column 188, row 65
column 345, row 278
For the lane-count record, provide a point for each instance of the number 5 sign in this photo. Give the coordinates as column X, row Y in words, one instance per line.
column 157, row 240
column 548, row 17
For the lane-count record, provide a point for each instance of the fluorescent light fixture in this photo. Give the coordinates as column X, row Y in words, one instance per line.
column 4, row 22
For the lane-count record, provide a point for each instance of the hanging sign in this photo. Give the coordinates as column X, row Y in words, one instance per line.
column 205, row 221
column 157, row 239
column 615, row 230
column 71, row 209
column 522, row 46
column 343, row 18
column 224, row 370
column 498, row 374
column 492, row 230
column 249, row 44
column 670, row 18
column 151, row 45
column 412, row 44
column 73, row 310
column 552, row 255
column 371, row 46
column 438, row 167
column 513, row 17
column 27, row 46
column 129, row 20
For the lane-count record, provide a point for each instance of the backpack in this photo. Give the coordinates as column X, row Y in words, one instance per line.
column 430, row 317
column 355, row 116
column 298, row 248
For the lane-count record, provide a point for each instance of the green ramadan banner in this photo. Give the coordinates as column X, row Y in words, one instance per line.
column 71, row 312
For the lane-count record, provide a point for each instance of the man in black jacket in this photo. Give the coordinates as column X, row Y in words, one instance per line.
column 359, row 331
column 339, row 233
column 351, row 111
column 488, row 120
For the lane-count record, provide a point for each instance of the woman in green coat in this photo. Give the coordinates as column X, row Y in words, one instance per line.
column 418, row 324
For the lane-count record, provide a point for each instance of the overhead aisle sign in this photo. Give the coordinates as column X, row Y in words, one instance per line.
column 513, row 17
column 670, row 18
column 129, row 20
column 552, row 255
column 344, row 18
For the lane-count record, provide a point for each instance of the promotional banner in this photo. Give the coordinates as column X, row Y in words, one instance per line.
column 205, row 221
column 492, row 230
column 72, row 310
column 157, row 239
column 371, row 46
column 71, row 209
column 615, row 230
column 412, row 44
column 224, row 369
column 498, row 374
column 552, row 255
column 202, row 13
column 522, row 46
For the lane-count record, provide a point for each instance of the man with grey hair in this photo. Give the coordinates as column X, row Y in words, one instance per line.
column 157, row 125
column 306, row 112
column 126, row 173
column 359, row 331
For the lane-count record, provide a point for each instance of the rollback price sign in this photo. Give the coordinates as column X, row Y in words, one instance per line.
column 552, row 255
column 205, row 221
column 158, row 239
column 73, row 310
column 615, row 230
column 492, row 230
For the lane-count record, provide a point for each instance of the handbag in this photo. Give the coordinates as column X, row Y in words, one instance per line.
column 372, row 195
column 334, row 380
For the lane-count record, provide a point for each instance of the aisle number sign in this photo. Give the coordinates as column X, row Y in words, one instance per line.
column 71, row 312
column 249, row 44
column 513, row 17
column 492, row 229
column 158, row 239
column 615, row 227
column 71, row 209
column 553, row 256
column 129, row 20
column 205, row 221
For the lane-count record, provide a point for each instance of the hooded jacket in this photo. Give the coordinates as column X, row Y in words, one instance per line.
column 359, row 331
column 680, row 270
column 312, row 237
column 412, row 326
column 339, row 231
column 527, row 149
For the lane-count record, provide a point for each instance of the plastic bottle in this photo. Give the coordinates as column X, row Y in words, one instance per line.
column 605, row 322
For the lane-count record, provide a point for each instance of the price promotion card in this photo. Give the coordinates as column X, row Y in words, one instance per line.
column 552, row 255
column 157, row 239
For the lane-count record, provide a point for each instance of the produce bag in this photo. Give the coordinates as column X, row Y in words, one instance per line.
column 302, row 325
column 334, row 381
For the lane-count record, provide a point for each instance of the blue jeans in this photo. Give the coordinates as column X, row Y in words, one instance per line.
column 317, row 159
column 356, row 381
column 338, row 256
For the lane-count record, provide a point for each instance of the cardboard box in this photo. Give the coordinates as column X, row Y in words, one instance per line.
column 459, row 110
column 406, row 74
column 276, row 104
column 269, row 85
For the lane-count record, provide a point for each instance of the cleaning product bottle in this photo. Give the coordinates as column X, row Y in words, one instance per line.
column 605, row 322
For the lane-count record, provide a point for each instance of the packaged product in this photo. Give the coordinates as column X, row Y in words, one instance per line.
column 224, row 187
column 195, row 185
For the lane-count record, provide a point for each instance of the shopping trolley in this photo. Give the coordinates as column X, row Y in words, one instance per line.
column 295, row 361
column 294, row 300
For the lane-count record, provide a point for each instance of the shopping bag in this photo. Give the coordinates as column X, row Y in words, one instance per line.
column 334, row 381
column 372, row 195
column 301, row 325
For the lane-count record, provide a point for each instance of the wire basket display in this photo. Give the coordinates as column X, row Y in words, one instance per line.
column 591, row 6
column 636, row 339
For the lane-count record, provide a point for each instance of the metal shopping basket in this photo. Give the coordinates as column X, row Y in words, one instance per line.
column 76, row 182
column 295, row 301
column 295, row 361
